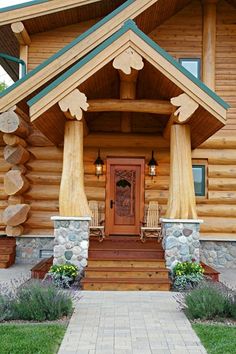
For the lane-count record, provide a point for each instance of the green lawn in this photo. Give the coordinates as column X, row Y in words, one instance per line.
column 217, row 339
column 31, row 339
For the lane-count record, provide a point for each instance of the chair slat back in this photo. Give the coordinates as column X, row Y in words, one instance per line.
column 93, row 205
column 153, row 215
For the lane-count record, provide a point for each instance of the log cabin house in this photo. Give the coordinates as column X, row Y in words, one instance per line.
column 126, row 104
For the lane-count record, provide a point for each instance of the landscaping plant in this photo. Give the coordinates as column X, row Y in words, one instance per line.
column 63, row 275
column 187, row 275
column 209, row 301
column 35, row 301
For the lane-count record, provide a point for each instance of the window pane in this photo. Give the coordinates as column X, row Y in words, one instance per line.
column 192, row 65
column 199, row 179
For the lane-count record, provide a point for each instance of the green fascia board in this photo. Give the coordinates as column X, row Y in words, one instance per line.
column 128, row 25
column 68, row 47
column 22, row 5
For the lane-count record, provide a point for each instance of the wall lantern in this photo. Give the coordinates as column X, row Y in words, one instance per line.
column 98, row 165
column 152, row 165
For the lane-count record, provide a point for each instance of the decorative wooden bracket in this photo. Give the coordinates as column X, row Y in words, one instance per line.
column 187, row 107
column 74, row 104
column 127, row 61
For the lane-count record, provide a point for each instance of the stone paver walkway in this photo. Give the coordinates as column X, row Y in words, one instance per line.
column 129, row 322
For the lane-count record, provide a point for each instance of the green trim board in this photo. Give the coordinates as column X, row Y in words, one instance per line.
column 128, row 25
column 22, row 5
column 68, row 47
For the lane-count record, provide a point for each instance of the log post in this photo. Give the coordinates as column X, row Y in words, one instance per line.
column 72, row 198
column 128, row 63
column 181, row 202
column 209, row 43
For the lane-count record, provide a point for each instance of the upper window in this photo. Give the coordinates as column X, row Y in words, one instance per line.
column 199, row 176
column 193, row 65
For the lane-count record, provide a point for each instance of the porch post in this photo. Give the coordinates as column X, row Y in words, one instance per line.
column 181, row 227
column 72, row 226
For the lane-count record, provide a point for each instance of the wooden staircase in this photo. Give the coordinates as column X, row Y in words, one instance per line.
column 125, row 263
column 7, row 251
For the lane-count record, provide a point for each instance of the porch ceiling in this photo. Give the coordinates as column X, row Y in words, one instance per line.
column 162, row 77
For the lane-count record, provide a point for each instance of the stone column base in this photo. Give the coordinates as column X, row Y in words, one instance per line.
column 71, row 240
column 180, row 240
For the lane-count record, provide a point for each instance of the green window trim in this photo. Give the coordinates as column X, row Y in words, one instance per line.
column 200, row 187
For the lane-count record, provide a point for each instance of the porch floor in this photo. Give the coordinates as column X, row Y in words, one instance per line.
column 125, row 263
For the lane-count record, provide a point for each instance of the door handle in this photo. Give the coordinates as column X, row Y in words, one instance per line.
column 111, row 203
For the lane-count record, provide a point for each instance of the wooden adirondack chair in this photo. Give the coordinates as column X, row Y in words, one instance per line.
column 96, row 225
column 151, row 228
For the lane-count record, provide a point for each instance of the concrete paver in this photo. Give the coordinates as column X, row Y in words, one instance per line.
column 129, row 323
column 15, row 272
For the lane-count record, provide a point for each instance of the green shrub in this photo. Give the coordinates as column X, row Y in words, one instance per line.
column 40, row 301
column 63, row 275
column 232, row 306
column 187, row 282
column 187, row 275
column 5, row 308
column 207, row 302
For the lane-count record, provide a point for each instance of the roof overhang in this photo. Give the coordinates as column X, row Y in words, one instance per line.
column 36, row 8
column 209, row 117
column 73, row 52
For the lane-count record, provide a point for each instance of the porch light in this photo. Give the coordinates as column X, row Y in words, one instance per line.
column 98, row 165
column 152, row 165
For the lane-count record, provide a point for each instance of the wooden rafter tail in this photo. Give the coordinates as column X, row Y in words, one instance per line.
column 21, row 33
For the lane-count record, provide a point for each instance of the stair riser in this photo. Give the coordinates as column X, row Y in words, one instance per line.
column 124, row 245
column 126, row 263
column 7, row 257
column 126, row 254
column 7, row 249
column 126, row 287
column 127, row 274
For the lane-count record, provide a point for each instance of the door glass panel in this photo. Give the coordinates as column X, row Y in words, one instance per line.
column 125, row 196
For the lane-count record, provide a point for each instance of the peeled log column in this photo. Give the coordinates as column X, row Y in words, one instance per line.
column 16, row 154
column 181, row 201
column 72, row 198
column 15, row 215
column 15, row 183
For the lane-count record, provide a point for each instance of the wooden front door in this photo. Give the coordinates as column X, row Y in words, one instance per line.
column 124, row 196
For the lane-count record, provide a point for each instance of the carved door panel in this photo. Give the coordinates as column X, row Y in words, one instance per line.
column 124, row 197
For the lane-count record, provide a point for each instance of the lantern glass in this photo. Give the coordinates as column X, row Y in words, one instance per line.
column 98, row 165
column 99, row 170
column 152, row 170
column 152, row 165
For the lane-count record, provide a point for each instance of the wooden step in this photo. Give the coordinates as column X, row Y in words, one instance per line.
column 210, row 272
column 131, row 273
column 7, row 249
column 108, row 244
column 131, row 263
column 125, row 284
column 126, row 253
column 7, row 264
column 7, row 257
column 7, row 241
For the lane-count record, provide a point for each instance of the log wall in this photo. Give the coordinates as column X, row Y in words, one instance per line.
column 44, row 45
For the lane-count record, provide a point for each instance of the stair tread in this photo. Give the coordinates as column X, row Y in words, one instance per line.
column 126, row 280
column 126, row 249
column 94, row 258
column 125, row 269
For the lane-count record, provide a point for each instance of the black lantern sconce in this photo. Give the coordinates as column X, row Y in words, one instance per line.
column 98, row 165
column 152, row 166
